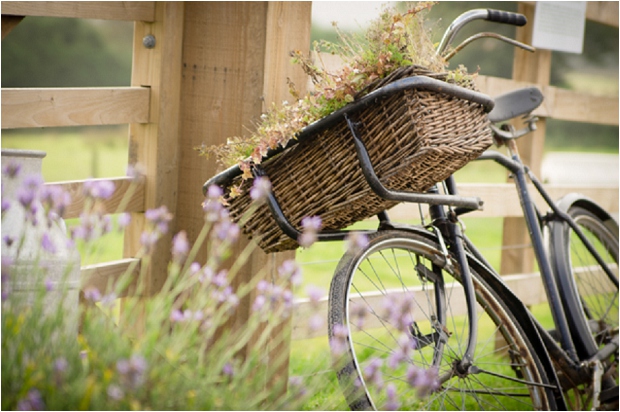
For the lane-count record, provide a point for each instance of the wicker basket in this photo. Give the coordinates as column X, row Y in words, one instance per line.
column 414, row 139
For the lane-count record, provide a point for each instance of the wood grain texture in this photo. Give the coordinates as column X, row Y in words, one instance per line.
column 104, row 276
column 154, row 146
column 53, row 107
column 107, row 10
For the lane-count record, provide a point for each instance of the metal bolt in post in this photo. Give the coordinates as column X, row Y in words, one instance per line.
column 149, row 41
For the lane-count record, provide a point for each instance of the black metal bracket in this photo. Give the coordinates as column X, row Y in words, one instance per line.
column 473, row 203
column 285, row 225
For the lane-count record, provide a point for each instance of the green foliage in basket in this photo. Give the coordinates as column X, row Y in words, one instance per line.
column 394, row 40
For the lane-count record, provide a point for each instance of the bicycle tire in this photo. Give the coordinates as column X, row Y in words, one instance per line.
column 589, row 295
column 520, row 382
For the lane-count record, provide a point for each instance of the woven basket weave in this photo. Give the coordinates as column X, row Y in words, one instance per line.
column 414, row 139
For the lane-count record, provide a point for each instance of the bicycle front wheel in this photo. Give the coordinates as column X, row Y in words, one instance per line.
column 398, row 329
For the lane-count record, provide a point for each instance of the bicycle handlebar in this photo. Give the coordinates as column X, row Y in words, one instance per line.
column 506, row 17
column 496, row 16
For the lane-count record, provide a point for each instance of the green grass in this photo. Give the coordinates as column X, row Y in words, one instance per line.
column 312, row 358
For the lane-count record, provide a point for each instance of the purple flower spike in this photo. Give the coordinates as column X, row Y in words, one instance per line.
column 159, row 217
column 123, row 220
column 339, row 341
column 424, row 380
column 47, row 244
column 261, row 189
column 55, row 201
column 115, row 392
column 92, row 294
column 32, row 402
column 214, row 192
column 291, row 270
column 391, row 403
column 11, row 169
column 132, row 371
column 180, row 246
column 99, row 189
column 27, row 194
column 356, row 242
column 311, row 225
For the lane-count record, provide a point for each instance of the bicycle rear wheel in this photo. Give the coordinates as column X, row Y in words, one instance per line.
column 397, row 319
column 589, row 294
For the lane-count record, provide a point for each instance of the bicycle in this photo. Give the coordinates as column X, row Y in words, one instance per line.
column 462, row 321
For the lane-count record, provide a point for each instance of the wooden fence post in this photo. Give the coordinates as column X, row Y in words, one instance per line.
column 154, row 146
column 517, row 255
column 235, row 63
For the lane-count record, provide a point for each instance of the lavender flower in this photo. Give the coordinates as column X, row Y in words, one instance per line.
column 92, row 294
column 55, row 201
column 176, row 316
column 296, row 386
column 424, row 380
column 180, row 246
column 228, row 369
column 315, row 323
column 135, row 172
column 27, row 195
column 32, row 402
column 398, row 311
column 315, row 294
column 8, row 240
column 339, row 342
column 372, row 373
column 310, row 229
column 123, row 220
column 99, row 189
column 47, row 244
column 402, row 352
column 226, row 230
column 356, row 242
column 91, row 227
column 132, row 371
column 270, row 297
column 159, row 218
column 290, row 270
column 6, row 204
column 260, row 189
column 391, row 403
column 60, row 368
column 358, row 313
column 148, row 240
column 115, row 392
column 11, row 169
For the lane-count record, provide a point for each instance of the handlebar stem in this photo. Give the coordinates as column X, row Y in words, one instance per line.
column 458, row 24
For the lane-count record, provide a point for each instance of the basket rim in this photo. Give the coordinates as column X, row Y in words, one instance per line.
column 420, row 82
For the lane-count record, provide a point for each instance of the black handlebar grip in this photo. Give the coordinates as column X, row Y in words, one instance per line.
column 506, row 17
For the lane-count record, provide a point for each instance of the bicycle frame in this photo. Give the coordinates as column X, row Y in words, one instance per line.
column 564, row 354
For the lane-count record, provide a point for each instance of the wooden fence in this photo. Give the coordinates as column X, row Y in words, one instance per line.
column 214, row 68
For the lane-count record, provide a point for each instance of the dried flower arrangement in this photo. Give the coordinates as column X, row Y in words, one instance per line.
column 394, row 40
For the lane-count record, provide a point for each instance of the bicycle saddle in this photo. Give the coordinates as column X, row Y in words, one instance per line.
column 515, row 103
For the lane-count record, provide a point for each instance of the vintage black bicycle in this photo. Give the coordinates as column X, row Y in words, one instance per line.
column 487, row 349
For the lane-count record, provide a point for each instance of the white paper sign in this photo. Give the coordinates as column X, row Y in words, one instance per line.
column 559, row 25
